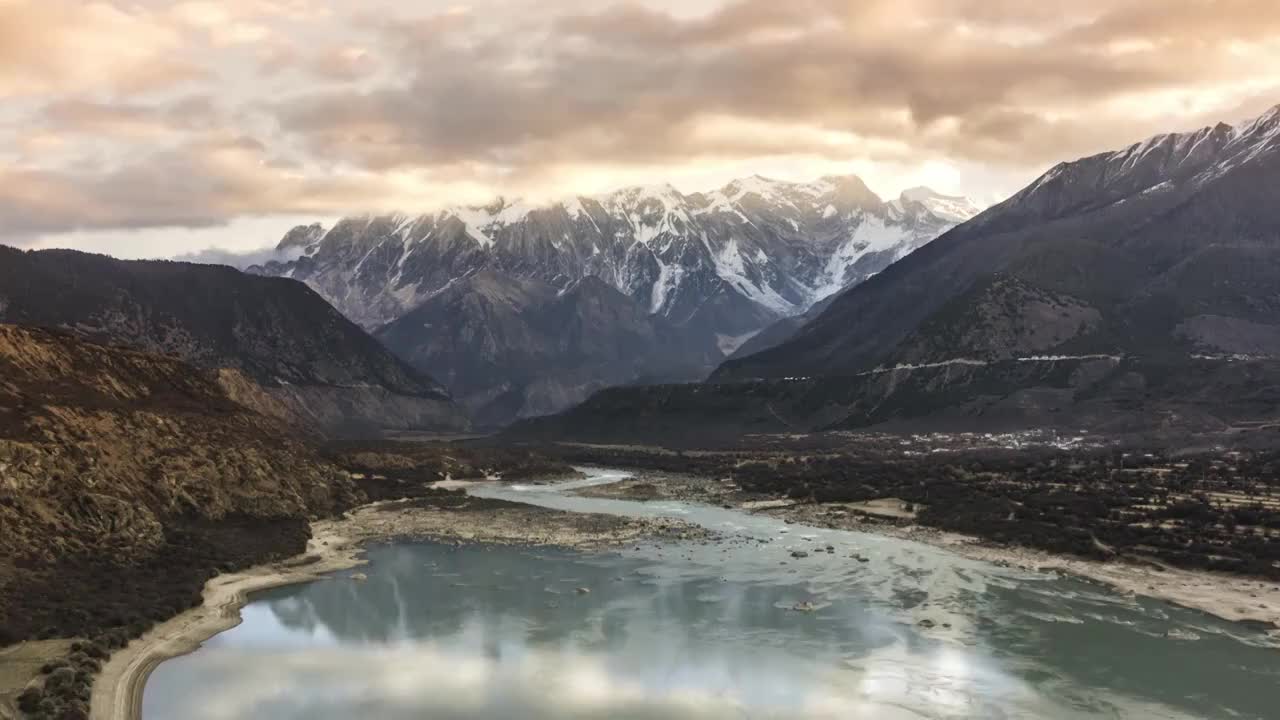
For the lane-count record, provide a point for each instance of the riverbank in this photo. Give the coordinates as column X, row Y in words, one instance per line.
column 117, row 691
column 461, row 518
column 337, row 545
column 1230, row 597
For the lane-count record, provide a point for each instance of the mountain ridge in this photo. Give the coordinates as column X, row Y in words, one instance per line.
column 1124, row 202
column 278, row 333
column 524, row 233
column 1133, row 290
column 718, row 266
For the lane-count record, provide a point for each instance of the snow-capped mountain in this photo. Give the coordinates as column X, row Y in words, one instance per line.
column 1170, row 245
column 954, row 208
column 770, row 248
column 1134, row 291
column 1165, row 167
column 721, row 264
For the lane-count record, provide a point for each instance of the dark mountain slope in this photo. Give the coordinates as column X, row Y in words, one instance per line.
column 512, row 347
column 1106, row 230
column 780, row 331
column 278, row 332
column 1141, row 397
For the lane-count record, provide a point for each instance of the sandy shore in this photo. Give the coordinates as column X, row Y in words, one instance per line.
column 336, row 545
column 117, row 691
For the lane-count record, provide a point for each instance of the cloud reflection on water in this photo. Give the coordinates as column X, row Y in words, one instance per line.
column 438, row 632
column 457, row 678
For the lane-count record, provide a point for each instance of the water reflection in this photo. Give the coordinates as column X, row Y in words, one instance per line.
column 706, row 632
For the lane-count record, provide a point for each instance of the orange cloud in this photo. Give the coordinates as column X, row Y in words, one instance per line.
column 57, row 46
column 364, row 104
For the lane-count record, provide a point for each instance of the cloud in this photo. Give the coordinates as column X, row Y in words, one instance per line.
column 344, row 64
column 49, row 46
column 130, row 114
column 207, row 181
column 240, row 259
column 195, row 185
column 629, row 84
column 131, row 120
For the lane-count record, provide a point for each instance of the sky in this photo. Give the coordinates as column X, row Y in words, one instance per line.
column 150, row 128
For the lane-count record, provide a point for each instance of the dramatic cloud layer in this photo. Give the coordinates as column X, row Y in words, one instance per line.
column 152, row 115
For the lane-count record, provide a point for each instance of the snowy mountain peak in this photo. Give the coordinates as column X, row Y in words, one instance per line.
column 732, row 259
column 660, row 191
column 301, row 237
column 955, row 208
column 920, row 194
column 766, row 188
column 1269, row 117
column 644, row 204
column 482, row 221
column 844, row 182
column 1166, row 164
column 1262, row 130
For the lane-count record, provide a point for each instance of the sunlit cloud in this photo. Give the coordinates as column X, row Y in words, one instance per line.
column 123, row 115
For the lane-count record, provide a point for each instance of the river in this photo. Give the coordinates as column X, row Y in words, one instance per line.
column 858, row 626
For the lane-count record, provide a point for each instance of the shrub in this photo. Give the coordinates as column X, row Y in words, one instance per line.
column 29, row 700
column 74, row 711
column 94, row 649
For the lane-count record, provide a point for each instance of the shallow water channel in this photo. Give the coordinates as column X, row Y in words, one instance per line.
column 739, row 628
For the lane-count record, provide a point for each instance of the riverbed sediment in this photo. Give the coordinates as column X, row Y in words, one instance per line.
column 1230, row 597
